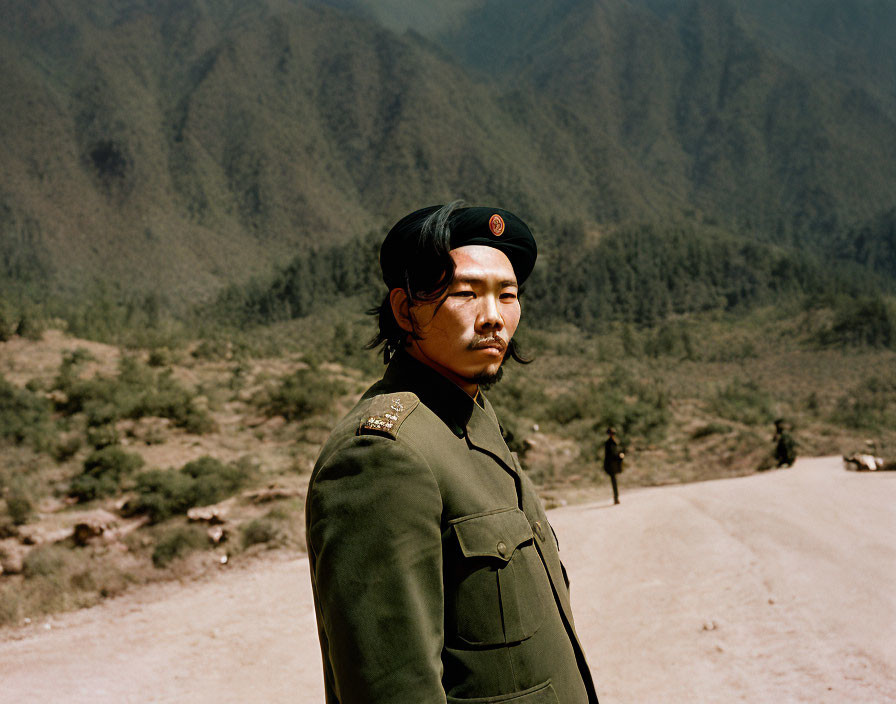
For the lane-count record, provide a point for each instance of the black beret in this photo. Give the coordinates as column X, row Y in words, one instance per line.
column 492, row 227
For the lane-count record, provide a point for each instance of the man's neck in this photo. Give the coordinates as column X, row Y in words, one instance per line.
column 469, row 387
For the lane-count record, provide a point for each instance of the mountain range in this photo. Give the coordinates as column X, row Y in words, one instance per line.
column 181, row 145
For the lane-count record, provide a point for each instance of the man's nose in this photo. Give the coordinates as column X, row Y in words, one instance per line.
column 489, row 314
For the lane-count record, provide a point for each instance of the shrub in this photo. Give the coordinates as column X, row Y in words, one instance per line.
column 18, row 505
column 304, row 393
column 67, row 448
column 30, row 327
column 35, row 386
column 569, row 407
column 636, row 408
column 260, row 530
column 239, row 376
column 170, row 400
column 512, row 402
column 100, row 436
column 813, row 405
column 46, row 561
column 178, row 542
column 73, row 359
column 159, row 357
column 136, row 392
column 671, row 340
column 215, row 480
column 8, row 322
column 103, row 473
column 81, row 355
column 862, row 321
column 10, row 604
column 869, row 406
column 517, row 397
column 163, row 493
column 25, row 417
column 213, row 349
column 166, row 493
column 48, row 584
column 710, row 429
column 745, row 402
column 646, row 417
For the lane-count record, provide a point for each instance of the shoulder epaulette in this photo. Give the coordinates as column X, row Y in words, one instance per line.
column 386, row 413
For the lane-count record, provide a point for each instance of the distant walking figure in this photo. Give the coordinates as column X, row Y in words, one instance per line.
column 785, row 448
column 613, row 461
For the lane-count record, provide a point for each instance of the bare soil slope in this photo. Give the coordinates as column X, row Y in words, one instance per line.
column 770, row 588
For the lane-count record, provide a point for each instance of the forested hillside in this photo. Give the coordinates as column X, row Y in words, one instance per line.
column 639, row 274
column 710, row 106
column 174, row 148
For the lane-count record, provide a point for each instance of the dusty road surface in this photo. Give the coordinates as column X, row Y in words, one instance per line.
column 779, row 587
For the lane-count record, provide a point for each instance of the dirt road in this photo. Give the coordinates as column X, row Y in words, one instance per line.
column 770, row 588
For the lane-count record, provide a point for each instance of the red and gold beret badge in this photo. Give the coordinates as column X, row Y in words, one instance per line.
column 496, row 225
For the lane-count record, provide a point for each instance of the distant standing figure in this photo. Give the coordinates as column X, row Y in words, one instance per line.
column 613, row 457
column 785, row 448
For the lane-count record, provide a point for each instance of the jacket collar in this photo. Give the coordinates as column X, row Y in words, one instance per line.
column 442, row 396
column 484, row 433
column 448, row 401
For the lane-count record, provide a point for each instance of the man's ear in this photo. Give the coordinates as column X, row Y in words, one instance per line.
column 401, row 309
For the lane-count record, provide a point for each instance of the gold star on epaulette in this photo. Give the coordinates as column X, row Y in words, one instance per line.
column 387, row 413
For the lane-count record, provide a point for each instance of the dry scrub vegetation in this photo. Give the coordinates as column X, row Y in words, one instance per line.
column 121, row 466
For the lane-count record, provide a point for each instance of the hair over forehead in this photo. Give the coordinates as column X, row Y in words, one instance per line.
column 415, row 255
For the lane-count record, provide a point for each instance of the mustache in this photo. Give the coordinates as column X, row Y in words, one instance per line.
column 478, row 342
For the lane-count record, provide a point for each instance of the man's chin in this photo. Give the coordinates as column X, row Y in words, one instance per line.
column 488, row 377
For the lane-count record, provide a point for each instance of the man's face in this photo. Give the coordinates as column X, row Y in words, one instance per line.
column 466, row 337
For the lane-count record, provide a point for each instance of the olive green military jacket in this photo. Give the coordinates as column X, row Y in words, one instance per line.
column 435, row 573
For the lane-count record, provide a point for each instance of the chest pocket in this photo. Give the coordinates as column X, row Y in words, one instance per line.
column 498, row 585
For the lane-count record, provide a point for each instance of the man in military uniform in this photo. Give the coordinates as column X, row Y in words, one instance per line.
column 435, row 573
column 785, row 447
column 613, row 457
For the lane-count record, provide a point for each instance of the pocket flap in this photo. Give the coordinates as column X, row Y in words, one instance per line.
column 495, row 535
column 542, row 694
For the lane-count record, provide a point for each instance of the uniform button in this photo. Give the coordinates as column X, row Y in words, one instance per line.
column 539, row 530
column 502, row 549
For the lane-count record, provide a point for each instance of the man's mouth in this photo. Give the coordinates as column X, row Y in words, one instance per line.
column 489, row 343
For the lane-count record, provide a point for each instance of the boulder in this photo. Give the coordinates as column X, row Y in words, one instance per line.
column 214, row 514
column 12, row 556
column 93, row 525
column 271, row 493
column 217, row 534
column 37, row 534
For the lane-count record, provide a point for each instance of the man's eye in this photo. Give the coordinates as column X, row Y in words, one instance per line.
column 509, row 296
column 466, row 294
